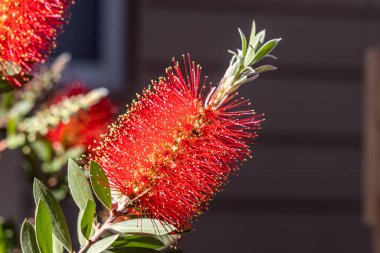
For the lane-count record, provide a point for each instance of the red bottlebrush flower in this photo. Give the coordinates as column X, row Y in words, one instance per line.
column 86, row 126
column 28, row 30
column 173, row 150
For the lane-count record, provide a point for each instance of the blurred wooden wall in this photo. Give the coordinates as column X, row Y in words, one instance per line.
column 302, row 191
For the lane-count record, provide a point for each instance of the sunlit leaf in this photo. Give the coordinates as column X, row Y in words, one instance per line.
column 60, row 229
column 100, row 184
column 28, row 238
column 79, row 185
column 44, row 228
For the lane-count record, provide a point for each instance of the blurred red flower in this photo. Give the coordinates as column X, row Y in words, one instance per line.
column 28, row 30
column 174, row 152
column 86, row 126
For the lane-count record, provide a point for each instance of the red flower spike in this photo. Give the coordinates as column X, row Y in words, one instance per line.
column 172, row 152
column 86, row 126
column 28, row 30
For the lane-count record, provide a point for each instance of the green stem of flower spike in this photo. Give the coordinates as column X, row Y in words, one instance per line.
column 100, row 230
column 240, row 70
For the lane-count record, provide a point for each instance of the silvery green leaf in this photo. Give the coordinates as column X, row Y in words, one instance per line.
column 143, row 225
column 239, row 82
column 100, row 184
column 265, row 49
column 248, row 71
column 265, row 68
column 243, row 43
column 259, row 39
column 57, row 246
column 102, row 245
column 82, row 240
column 28, row 238
column 60, row 229
column 271, row 56
column 250, row 56
column 87, row 221
column 79, row 186
column 253, row 33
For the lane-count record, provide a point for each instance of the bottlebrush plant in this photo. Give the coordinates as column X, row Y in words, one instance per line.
column 28, row 32
column 160, row 163
column 68, row 120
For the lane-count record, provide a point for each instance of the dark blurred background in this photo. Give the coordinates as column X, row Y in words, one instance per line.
column 302, row 192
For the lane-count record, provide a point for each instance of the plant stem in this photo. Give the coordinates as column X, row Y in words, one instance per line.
column 114, row 214
column 100, row 230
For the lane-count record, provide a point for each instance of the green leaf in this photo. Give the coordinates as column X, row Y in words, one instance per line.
column 264, row 68
column 60, row 229
column 102, row 245
column 28, row 238
column 253, row 33
column 44, row 228
column 133, row 250
column 82, row 240
column 265, row 49
column 149, row 242
column 57, row 246
column 144, row 226
column 79, row 186
column 259, row 40
column 100, row 184
column 243, row 43
column 87, row 221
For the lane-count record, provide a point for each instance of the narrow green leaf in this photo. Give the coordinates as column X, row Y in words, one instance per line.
column 79, row 186
column 144, row 226
column 82, row 240
column 60, row 229
column 243, row 43
column 87, row 221
column 253, row 33
column 149, row 242
column 44, row 228
column 100, row 184
column 264, row 68
column 28, row 238
column 57, row 246
column 102, row 245
column 259, row 40
column 265, row 49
